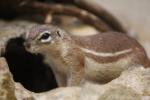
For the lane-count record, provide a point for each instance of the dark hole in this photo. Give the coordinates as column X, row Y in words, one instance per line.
column 27, row 68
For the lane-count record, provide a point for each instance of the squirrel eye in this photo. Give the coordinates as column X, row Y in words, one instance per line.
column 45, row 37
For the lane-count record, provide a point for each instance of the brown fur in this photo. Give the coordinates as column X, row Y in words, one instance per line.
column 69, row 63
column 107, row 42
column 112, row 42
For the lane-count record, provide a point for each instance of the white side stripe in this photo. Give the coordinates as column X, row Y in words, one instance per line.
column 106, row 54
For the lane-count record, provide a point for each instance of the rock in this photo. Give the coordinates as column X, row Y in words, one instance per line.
column 119, row 92
column 133, row 84
column 7, row 90
column 137, row 78
column 66, row 93
column 22, row 93
column 109, row 92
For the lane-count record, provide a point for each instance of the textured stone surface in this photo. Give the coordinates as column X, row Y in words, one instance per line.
column 22, row 93
column 6, row 82
column 68, row 93
column 131, row 85
column 138, row 79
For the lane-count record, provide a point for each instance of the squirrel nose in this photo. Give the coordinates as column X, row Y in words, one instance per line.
column 27, row 44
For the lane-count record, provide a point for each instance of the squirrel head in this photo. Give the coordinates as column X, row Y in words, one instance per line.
column 43, row 37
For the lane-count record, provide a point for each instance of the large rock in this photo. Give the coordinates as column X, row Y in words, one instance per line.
column 133, row 84
column 7, row 88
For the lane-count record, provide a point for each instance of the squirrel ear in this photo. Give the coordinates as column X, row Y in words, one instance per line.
column 60, row 33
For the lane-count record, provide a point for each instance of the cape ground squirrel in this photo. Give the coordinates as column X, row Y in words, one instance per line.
column 98, row 58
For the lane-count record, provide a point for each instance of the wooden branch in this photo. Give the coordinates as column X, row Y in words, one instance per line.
column 83, row 15
column 101, row 13
column 98, row 11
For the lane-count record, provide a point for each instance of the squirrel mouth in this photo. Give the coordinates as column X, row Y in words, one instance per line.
column 30, row 48
column 28, row 68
